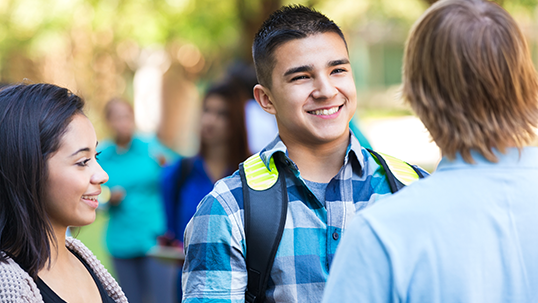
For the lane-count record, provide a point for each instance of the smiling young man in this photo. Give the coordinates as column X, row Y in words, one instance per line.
column 305, row 80
column 312, row 94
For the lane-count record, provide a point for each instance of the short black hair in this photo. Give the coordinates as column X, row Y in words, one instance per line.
column 33, row 120
column 288, row 23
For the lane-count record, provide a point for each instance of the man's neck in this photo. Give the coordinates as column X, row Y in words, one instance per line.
column 318, row 162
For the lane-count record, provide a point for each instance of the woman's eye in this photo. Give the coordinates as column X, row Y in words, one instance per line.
column 83, row 163
column 97, row 155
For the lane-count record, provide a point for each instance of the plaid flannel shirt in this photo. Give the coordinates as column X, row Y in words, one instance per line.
column 215, row 268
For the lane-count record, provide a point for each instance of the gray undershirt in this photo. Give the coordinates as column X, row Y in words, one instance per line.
column 318, row 189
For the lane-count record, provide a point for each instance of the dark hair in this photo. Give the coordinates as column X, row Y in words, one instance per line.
column 237, row 143
column 33, row 119
column 469, row 76
column 289, row 23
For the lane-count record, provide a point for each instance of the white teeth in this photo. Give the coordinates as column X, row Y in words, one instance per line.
column 90, row 198
column 325, row 112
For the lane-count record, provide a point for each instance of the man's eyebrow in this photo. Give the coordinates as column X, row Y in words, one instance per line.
column 298, row 69
column 338, row 62
column 84, row 149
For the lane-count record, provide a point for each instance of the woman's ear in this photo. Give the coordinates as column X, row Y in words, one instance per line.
column 264, row 98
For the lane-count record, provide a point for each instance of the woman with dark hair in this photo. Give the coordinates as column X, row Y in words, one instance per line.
column 223, row 145
column 49, row 180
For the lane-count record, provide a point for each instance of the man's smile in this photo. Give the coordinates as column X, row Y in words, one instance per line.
column 326, row 111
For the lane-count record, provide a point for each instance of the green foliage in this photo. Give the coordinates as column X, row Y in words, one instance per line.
column 221, row 29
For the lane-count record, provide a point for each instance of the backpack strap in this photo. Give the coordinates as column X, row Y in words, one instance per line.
column 399, row 173
column 265, row 204
column 185, row 167
column 265, row 200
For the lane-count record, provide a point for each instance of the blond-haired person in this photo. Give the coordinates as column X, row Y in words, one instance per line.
column 468, row 233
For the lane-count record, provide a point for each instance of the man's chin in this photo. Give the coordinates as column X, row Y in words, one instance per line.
column 322, row 138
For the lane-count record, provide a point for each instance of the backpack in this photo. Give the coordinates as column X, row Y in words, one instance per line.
column 264, row 222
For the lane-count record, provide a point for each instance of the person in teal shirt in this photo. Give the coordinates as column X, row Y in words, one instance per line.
column 134, row 165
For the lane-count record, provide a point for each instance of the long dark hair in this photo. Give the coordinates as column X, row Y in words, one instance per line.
column 237, row 143
column 33, row 119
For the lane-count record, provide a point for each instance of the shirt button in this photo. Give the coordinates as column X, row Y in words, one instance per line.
column 336, row 235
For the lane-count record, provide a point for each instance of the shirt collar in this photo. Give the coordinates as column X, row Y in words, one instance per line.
column 513, row 156
column 276, row 146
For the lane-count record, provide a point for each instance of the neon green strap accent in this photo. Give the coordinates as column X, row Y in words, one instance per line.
column 401, row 170
column 257, row 175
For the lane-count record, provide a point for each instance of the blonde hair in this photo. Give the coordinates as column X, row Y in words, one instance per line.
column 469, row 77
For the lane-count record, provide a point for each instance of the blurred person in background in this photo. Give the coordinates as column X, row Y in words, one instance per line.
column 261, row 126
column 49, row 180
column 134, row 164
column 467, row 233
column 223, row 145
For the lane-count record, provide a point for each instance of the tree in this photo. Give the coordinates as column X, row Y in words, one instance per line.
column 525, row 3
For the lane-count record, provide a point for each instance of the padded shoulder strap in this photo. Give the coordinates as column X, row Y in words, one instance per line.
column 185, row 167
column 399, row 173
column 258, row 177
column 265, row 201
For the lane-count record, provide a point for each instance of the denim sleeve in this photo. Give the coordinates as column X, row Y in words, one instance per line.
column 215, row 268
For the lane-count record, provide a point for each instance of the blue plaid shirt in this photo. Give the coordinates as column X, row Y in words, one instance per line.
column 215, row 269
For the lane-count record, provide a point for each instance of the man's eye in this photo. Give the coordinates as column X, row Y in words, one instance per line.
column 338, row 71
column 299, row 78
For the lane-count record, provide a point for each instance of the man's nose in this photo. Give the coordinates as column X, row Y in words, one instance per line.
column 324, row 88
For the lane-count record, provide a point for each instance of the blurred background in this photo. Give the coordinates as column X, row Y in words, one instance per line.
column 161, row 55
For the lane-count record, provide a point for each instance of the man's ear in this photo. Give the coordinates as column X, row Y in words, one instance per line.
column 264, row 98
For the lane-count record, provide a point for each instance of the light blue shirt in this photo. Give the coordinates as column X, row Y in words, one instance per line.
column 468, row 233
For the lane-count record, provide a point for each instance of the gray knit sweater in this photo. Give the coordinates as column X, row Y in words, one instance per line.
column 17, row 286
